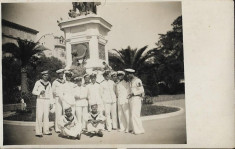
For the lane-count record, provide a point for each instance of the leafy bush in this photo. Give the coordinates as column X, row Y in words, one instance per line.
column 46, row 63
column 11, row 80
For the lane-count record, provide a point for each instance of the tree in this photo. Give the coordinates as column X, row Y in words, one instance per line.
column 170, row 45
column 143, row 61
column 45, row 63
column 11, row 80
column 130, row 58
column 26, row 52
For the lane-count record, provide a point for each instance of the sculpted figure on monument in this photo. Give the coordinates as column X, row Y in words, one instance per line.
column 78, row 68
column 79, row 53
column 84, row 8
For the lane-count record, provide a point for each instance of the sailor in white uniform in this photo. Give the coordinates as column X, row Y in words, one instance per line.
column 123, row 90
column 69, row 125
column 80, row 95
column 109, row 98
column 56, row 86
column 86, row 79
column 42, row 89
column 135, row 99
column 95, row 121
column 67, row 94
column 94, row 93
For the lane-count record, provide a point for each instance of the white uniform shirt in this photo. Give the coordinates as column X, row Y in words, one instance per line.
column 39, row 86
column 97, row 116
column 62, row 121
column 137, row 88
column 56, row 87
column 108, row 91
column 94, row 94
column 81, row 92
column 123, row 90
column 67, row 93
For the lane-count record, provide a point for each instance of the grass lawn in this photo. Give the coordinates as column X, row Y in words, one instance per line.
column 27, row 116
column 156, row 110
column 168, row 97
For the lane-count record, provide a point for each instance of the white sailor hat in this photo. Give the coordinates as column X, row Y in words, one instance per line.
column 93, row 74
column 120, row 73
column 93, row 104
column 78, row 79
column 130, row 70
column 68, row 73
column 44, row 72
column 86, row 75
column 66, row 107
column 113, row 73
column 106, row 72
column 60, row 71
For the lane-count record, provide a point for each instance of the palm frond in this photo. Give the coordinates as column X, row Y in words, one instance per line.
column 138, row 54
column 113, row 57
column 119, row 53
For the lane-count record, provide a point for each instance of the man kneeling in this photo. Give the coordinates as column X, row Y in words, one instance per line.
column 95, row 121
column 69, row 125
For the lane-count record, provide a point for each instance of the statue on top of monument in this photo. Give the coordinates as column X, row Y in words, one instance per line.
column 84, row 8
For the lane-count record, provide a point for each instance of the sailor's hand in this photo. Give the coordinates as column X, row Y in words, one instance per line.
column 69, row 123
column 51, row 106
column 130, row 95
column 42, row 92
column 77, row 97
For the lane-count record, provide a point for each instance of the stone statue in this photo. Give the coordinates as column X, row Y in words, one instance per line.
column 84, row 8
column 72, row 14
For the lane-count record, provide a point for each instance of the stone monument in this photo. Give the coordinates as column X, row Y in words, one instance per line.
column 85, row 33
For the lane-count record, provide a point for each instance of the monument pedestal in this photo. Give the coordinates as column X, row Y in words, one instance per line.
column 85, row 36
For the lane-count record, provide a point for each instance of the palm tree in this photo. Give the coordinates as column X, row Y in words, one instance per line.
column 138, row 60
column 143, row 61
column 26, row 52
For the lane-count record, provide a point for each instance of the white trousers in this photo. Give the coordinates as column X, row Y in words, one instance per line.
column 81, row 112
column 111, row 109
column 91, row 128
column 42, row 116
column 58, row 112
column 135, row 108
column 73, row 131
column 123, row 116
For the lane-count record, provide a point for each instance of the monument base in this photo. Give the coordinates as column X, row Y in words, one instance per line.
column 85, row 39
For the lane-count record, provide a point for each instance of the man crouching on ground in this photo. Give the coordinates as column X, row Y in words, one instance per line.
column 95, row 121
column 69, row 125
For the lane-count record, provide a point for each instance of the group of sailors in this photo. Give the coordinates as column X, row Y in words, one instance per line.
column 83, row 105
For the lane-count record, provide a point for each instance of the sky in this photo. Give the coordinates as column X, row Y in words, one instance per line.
column 134, row 24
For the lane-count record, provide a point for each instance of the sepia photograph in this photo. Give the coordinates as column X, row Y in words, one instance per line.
column 93, row 73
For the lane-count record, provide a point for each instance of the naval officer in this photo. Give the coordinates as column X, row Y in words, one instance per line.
column 109, row 99
column 94, row 93
column 135, row 98
column 80, row 95
column 123, row 90
column 67, row 94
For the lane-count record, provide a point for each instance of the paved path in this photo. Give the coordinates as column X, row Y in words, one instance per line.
column 170, row 130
